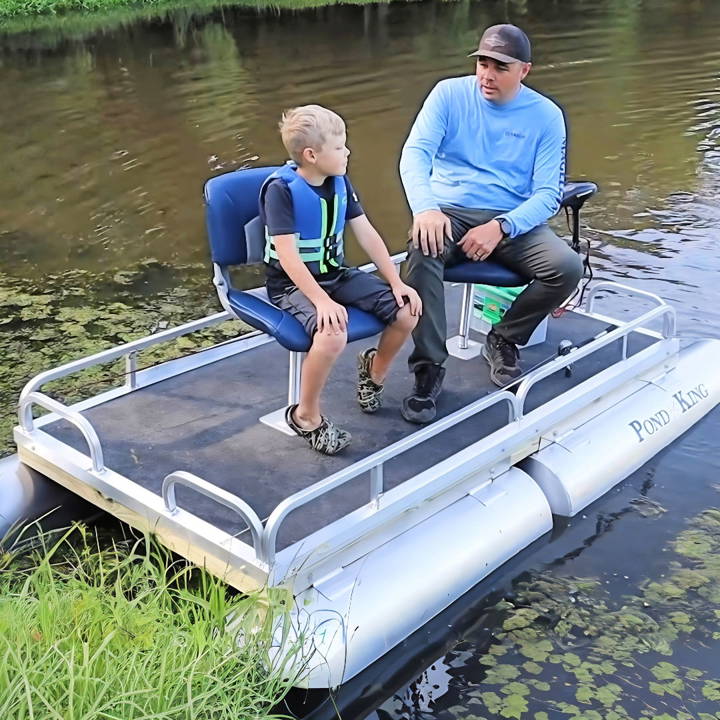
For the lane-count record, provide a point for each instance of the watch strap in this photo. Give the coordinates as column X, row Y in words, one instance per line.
column 504, row 226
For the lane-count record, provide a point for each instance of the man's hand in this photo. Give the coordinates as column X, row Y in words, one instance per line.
column 429, row 230
column 479, row 242
column 331, row 316
column 401, row 291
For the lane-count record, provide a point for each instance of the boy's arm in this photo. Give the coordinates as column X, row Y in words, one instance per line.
column 371, row 242
column 331, row 316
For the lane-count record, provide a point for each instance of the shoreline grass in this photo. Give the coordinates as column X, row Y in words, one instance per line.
column 32, row 15
column 126, row 632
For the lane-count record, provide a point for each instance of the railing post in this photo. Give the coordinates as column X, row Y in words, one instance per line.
column 377, row 484
column 131, row 370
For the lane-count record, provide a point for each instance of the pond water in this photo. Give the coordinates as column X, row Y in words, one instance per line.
column 110, row 132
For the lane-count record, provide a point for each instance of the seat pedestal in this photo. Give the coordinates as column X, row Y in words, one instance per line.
column 461, row 346
column 276, row 418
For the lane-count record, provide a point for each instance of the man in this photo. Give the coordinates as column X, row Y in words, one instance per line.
column 483, row 170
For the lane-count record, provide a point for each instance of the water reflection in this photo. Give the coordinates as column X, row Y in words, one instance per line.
column 111, row 135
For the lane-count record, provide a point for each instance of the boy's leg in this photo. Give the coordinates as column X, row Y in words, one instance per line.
column 319, row 360
column 316, row 369
column 305, row 418
column 391, row 340
column 371, row 294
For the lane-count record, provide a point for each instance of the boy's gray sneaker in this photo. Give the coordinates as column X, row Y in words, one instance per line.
column 327, row 438
column 369, row 393
column 502, row 356
column 420, row 406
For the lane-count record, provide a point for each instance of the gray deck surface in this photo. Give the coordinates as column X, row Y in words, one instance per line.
column 206, row 422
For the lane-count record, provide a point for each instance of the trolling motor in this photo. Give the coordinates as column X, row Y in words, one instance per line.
column 575, row 194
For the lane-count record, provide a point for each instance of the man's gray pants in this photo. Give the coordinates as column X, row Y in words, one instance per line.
column 539, row 256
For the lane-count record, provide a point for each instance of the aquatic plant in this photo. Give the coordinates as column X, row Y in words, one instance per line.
column 567, row 650
column 128, row 632
column 74, row 314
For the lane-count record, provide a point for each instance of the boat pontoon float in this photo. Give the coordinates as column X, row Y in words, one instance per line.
column 374, row 542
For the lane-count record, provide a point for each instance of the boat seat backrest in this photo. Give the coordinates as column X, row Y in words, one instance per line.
column 231, row 213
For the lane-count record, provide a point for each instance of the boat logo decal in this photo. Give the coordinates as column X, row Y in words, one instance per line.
column 683, row 400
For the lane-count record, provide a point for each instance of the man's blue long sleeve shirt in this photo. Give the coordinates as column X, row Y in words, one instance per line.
column 466, row 151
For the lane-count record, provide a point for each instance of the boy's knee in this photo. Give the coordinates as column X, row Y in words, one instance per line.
column 330, row 344
column 405, row 320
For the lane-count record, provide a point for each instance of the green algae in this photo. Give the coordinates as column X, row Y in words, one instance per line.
column 566, row 649
column 75, row 314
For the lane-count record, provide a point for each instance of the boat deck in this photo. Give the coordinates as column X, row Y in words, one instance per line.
column 206, row 422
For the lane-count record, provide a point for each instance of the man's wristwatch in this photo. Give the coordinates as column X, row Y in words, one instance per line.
column 505, row 228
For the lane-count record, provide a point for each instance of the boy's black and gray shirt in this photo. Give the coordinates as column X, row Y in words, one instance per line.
column 277, row 214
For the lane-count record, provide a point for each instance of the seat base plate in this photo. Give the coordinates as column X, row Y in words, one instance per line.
column 454, row 347
column 276, row 420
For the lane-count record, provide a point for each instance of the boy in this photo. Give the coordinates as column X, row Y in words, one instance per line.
column 304, row 209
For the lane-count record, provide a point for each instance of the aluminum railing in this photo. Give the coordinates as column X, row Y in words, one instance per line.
column 219, row 495
column 375, row 463
column 265, row 538
column 128, row 351
column 80, row 422
column 663, row 310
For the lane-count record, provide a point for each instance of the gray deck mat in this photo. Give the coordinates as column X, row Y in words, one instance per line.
column 206, row 422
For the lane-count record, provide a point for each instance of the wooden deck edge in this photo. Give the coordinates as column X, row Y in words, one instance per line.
column 247, row 579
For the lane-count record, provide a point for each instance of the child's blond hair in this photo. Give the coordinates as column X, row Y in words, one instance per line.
column 308, row 126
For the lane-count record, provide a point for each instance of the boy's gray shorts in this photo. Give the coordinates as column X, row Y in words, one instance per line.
column 351, row 287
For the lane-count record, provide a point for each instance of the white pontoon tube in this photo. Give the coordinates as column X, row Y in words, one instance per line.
column 591, row 452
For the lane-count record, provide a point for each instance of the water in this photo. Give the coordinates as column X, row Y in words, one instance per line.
column 108, row 135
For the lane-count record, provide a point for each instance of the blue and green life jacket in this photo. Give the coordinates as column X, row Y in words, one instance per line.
column 320, row 247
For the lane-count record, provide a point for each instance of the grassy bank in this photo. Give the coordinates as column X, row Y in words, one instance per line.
column 19, row 9
column 127, row 633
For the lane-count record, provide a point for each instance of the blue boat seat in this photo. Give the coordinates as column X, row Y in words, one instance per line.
column 487, row 272
column 256, row 309
column 236, row 238
column 231, row 203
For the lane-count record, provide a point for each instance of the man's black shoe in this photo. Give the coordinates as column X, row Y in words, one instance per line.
column 420, row 407
column 502, row 356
